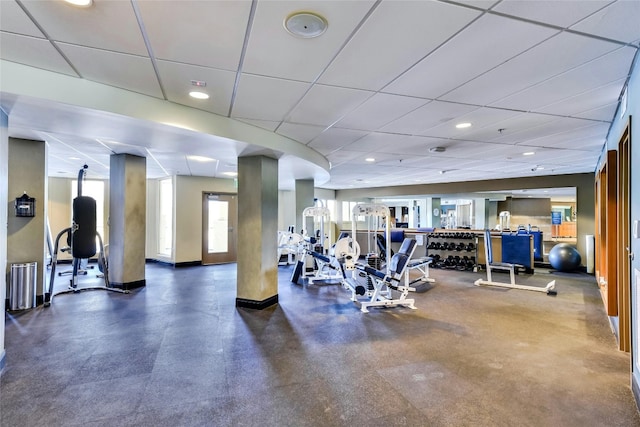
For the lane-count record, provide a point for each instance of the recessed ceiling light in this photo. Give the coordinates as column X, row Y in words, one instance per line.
column 437, row 149
column 529, row 153
column 463, row 125
column 80, row 3
column 200, row 158
column 230, row 173
column 74, row 158
column 370, row 159
column 198, row 95
column 305, row 24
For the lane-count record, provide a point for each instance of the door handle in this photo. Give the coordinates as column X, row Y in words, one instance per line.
column 631, row 255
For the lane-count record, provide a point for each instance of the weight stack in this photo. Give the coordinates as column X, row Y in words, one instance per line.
column 373, row 261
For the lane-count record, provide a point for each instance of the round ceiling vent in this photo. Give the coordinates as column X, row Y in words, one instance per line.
column 437, row 149
column 305, row 24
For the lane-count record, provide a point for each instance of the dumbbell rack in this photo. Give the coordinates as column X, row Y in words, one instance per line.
column 453, row 250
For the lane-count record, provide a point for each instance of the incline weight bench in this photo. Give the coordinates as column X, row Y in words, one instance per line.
column 488, row 252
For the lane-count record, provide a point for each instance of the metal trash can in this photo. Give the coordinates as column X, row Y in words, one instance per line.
column 22, row 289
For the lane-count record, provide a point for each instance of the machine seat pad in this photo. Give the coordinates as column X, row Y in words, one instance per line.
column 320, row 256
column 418, row 262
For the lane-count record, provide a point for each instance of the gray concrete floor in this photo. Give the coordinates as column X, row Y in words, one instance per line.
column 178, row 353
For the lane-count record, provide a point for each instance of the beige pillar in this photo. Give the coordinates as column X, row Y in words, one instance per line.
column 26, row 236
column 257, row 232
column 127, row 221
column 304, row 199
column 4, row 201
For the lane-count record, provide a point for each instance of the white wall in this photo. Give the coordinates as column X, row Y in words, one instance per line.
column 286, row 209
column 615, row 133
column 187, row 242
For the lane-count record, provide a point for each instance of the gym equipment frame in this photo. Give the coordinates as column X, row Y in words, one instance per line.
column 549, row 289
column 82, row 240
column 385, row 284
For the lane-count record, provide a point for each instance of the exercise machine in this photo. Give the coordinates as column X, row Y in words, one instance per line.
column 421, row 265
column 288, row 246
column 81, row 240
column 549, row 289
column 316, row 265
column 389, row 289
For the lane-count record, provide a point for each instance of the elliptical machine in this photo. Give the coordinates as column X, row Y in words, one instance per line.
column 81, row 241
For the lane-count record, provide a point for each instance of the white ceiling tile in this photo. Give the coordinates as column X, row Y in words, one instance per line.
column 605, row 113
column 465, row 56
column 381, row 142
column 207, row 33
column 400, row 34
column 266, row 98
column 273, row 51
column 558, row 125
column 577, row 138
column 618, row 21
column 34, row 52
column 481, row 118
column 14, row 20
column 176, row 80
column 599, row 72
column 342, row 156
column 324, row 105
column 560, row 13
column 109, row 25
column 594, row 104
column 335, row 138
column 430, row 115
column 506, row 130
column 264, row 124
column 379, row 110
column 555, row 56
column 299, row 132
column 125, row 71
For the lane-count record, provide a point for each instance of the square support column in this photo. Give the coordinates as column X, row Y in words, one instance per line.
column 257, row 232
column 4, row 201
column 304, row 199
column 127, row 221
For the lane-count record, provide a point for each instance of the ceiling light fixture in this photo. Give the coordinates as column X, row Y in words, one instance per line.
column 201, row 158
column 463, row 125
column 529, row 153
column 369, row 159
column 230, row 173
column 80, row 3
column 306, row 25
column 437, row 149
column 198, row 95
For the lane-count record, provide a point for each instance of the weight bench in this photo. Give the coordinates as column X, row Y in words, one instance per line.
column 503, row 266
column 422, row 265
column 385, row 284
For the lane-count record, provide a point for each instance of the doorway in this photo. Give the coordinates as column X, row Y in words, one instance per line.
column 219, row 223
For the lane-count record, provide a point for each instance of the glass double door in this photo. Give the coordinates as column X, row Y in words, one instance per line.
column 219, row 222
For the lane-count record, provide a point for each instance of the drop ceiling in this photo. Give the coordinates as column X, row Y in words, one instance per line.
column 388, row 80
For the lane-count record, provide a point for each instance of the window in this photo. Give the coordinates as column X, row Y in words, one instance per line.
column 165, row 217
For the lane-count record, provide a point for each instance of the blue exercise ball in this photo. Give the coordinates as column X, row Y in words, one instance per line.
column 564, row 257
